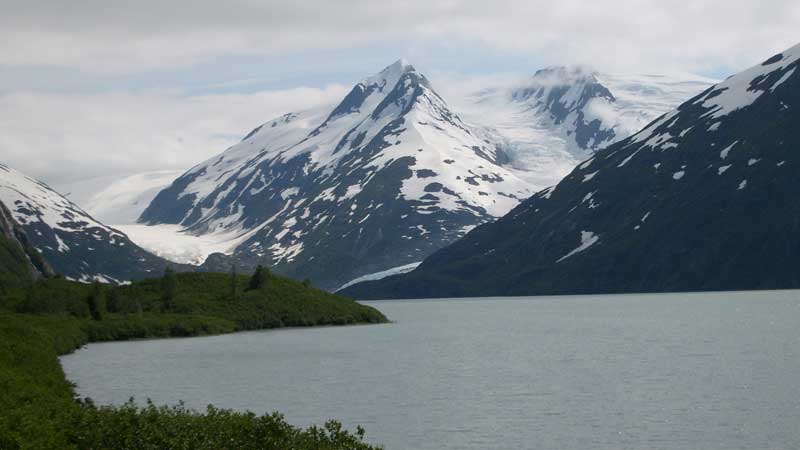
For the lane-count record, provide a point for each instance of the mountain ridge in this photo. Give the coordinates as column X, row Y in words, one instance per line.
column 309, row 186
column 703, row 198
column 70, row 240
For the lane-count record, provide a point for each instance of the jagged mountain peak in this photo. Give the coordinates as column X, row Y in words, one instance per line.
column 387, row 78
column 562, row 89
column 398, row 67
column 564, row 74
column 391, row 168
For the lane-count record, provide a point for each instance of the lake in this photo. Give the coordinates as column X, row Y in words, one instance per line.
column 671, row 371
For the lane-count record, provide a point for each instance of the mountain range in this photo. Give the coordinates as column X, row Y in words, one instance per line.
column 703, row 198
column 392, row 173
column 383, row 179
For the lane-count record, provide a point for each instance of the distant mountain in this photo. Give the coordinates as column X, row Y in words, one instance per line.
column 123, row 199
column 561, row 115
column 706, row 197
column 77, row 246
column 381, row 180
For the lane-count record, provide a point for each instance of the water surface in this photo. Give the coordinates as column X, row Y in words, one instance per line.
column 676, row 371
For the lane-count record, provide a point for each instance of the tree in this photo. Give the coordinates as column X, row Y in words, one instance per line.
column 259, row 279
column 169, row 288
column 137, row 309
column 30, row 304
column 97, row 302
column 307, row 282
column 116, row 303
column 234, row 284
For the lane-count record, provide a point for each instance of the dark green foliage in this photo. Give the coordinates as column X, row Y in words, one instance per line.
column 234, row 284
column 37, row 409
column 169, row 287
column 116, row 303
column 197, row 298
column 50, row 296
column 97, row 302
column 306, row 282
column 14, row 269
column 155, row 427
column 259, row 279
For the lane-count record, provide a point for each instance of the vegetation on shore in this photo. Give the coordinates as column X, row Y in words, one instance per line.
column 54, row 316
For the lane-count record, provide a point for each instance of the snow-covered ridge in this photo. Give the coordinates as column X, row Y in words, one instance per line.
column 717, row 102
column 389, row 167
column 33, row 201
column 72, row 241
column 324, row 137
column 391, row 172
column 744, row 88
column 550, row 122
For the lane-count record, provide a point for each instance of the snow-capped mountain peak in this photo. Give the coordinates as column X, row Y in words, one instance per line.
column 391, row 168
column 561, row 90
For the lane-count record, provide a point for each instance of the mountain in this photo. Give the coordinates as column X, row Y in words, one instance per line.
column 19, row 262
column 552, row 121
column 706, row 197
column 77, row 246
column 118, row 200
column 381, row 180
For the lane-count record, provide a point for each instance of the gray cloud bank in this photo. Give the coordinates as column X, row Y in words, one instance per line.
column 104, row 35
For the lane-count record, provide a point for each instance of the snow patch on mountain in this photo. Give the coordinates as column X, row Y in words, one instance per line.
column 33, row 201
column 173, row 243
column 746, row 87
column 382, row 274
column 587, row 240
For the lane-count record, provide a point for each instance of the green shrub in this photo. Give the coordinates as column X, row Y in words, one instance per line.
column 37, row 406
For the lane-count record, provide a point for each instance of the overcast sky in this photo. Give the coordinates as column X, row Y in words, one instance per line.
column 99, row 87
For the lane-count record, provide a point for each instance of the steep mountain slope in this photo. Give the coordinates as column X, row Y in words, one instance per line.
column 19, row 262
column 561, row 115
column 704, row 198
column 381, row 180
column 74, row 243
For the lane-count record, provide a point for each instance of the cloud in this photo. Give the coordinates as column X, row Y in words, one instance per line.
column 123, row 36
column 83, row 82
column 63, row 138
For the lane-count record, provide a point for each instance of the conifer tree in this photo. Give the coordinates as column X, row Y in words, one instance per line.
column 116, row 303
column 169, row 288
column 259, row 279
column 97, row 304
column 234, row 284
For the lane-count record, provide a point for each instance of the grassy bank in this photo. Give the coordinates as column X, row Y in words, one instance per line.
column 37, row 323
